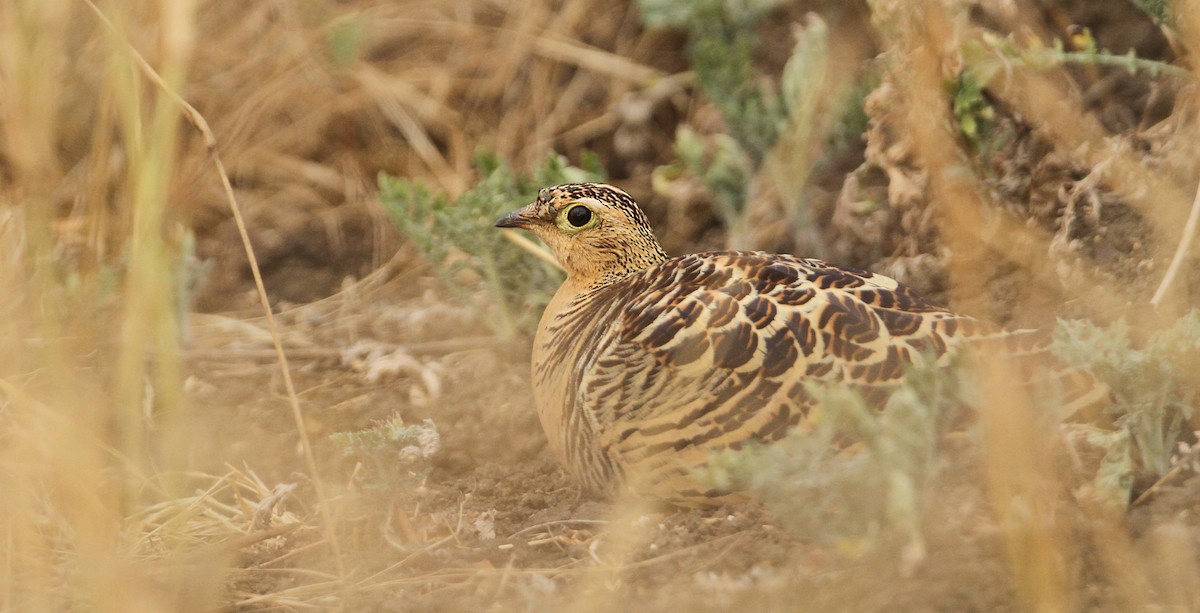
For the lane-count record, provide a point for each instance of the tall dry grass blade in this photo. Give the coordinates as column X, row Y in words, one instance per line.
column 1016, row 453
column 198, row 121
column 599, row 61
column 30, row 58
column 49, row 461
column 973, row 230
column 149, row 318
column 613, row 553
column 1055, row 111
column 532, row 248
column 1188, row 18
column 1181, row 253
column 1014, row 449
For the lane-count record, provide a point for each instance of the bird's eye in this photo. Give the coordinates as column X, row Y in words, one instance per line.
column 578, row 216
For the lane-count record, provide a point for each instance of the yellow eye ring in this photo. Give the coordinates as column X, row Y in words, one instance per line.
column 579, row 216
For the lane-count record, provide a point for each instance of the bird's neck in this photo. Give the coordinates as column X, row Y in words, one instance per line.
column 597, row 273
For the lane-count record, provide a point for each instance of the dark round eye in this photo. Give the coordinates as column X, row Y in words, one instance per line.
column 578, row 216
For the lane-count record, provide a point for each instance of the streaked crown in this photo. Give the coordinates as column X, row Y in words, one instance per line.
column 597, row 232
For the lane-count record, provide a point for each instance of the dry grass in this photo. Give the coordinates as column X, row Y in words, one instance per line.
column 307, row 103
column 1016, row 454
column 105, row 506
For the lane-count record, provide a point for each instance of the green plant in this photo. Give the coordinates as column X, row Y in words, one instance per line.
column 392, row 457
column 991, row 54
column 828, row 482
column 721, row 53
column 852, row 119
column 1153, row 385
column 468, row 254
column 1158, row 10
column 972, row 111
column 344, row 40
column 761, row 120
column 725, row 168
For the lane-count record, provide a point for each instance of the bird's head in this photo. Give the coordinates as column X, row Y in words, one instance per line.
column 597, row 231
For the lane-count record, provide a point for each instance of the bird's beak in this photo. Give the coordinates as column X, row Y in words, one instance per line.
column 520, row 218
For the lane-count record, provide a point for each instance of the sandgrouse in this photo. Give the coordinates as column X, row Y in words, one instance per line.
column 644, row 364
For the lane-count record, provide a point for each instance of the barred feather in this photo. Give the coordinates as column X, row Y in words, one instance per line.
column 645, row 364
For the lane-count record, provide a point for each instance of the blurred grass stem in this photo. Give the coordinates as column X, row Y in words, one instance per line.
column 198, row 121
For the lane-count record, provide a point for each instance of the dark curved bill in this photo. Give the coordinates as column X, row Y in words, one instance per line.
column 514, row 219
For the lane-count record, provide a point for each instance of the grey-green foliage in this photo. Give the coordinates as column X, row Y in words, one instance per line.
column 721, row 52
column 393, row 457
column 725, row 168
column 1158, row 10
column 1153, row 383
column 805, row 68
column 458, row 238
column 344, row 40
column 854, row 499
column 1115, row 473
column 852, row 121
column 722, row 40
column 991, row 56
column 679, row 13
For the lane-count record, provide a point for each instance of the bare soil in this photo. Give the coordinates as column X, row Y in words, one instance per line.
column 497, row 524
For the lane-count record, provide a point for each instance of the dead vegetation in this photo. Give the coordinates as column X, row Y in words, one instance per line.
column 155, row 456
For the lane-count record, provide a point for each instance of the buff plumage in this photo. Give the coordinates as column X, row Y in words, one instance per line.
column 645, row 364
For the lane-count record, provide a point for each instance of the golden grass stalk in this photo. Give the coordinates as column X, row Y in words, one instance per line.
column 77, row 468
column 52, row 460
column 148, row 321
column 1189, row 22
column 175, row 103
column 1018, row 465
column 535, row 249
column 1015, row 453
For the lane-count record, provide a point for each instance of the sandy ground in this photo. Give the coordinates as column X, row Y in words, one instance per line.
column 497, row 525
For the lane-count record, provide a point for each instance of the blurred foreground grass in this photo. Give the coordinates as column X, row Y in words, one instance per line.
column 103, row 508
column 94, row 421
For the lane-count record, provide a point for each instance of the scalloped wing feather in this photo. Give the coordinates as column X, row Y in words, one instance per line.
column 712, row 350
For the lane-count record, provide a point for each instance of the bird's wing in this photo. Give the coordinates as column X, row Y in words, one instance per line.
column 711, row 351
